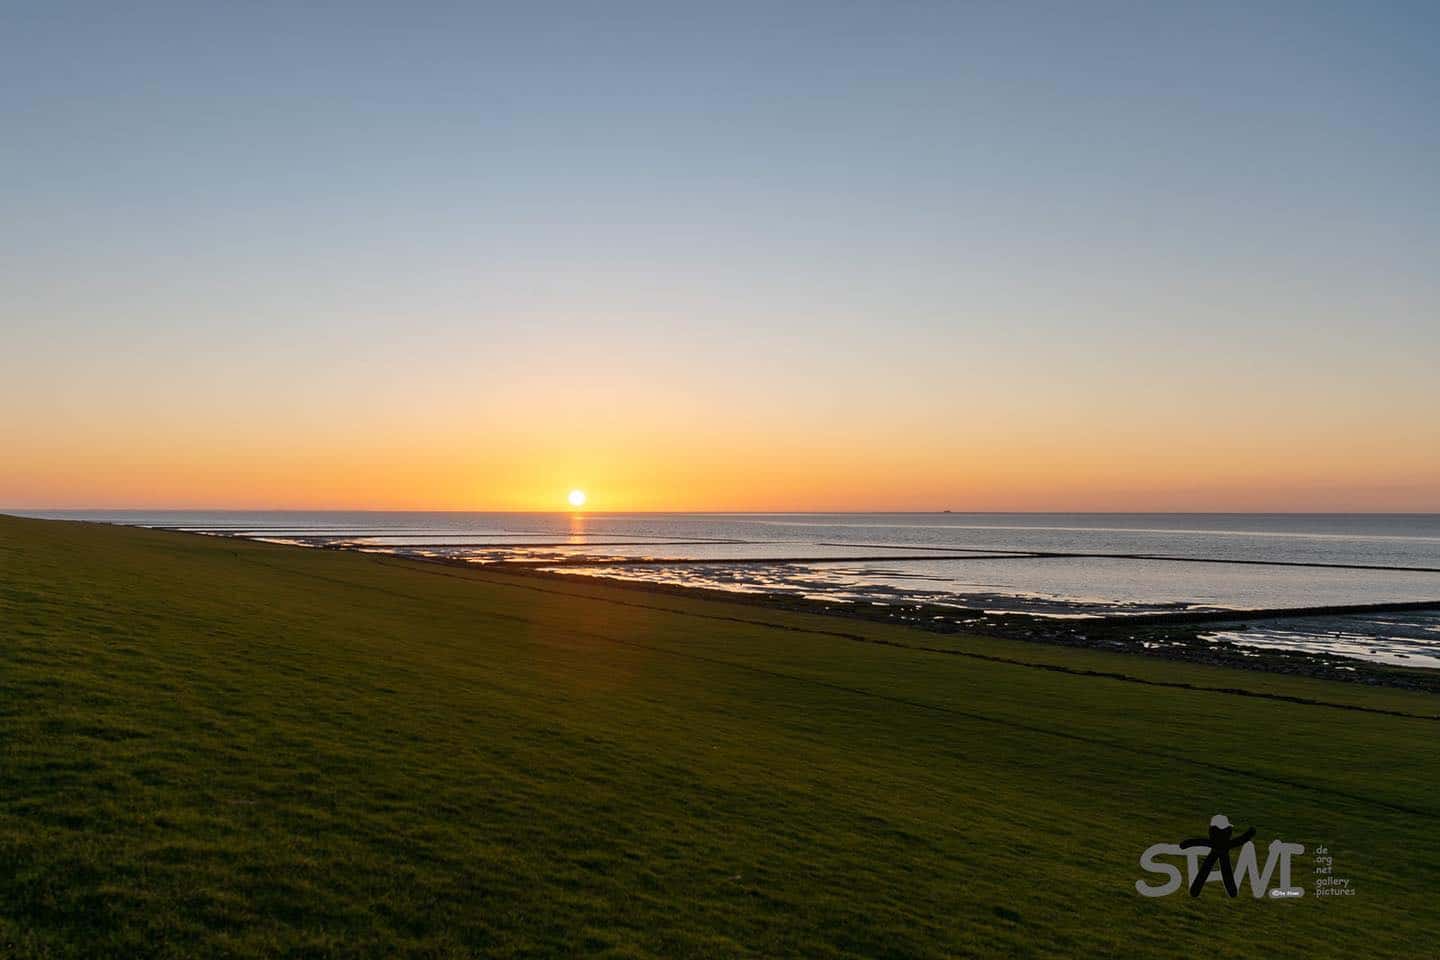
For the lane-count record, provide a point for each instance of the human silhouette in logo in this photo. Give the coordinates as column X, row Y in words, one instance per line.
column 1220, row 843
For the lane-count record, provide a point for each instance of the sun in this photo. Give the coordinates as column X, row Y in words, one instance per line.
column 577, row 498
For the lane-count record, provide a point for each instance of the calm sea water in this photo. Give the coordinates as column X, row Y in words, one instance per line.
column 1158, row 562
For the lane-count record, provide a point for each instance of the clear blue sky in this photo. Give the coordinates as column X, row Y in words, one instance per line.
column 950, row 227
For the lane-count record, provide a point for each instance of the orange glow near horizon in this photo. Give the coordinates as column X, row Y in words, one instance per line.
column 653, row 441
column 1019, row 475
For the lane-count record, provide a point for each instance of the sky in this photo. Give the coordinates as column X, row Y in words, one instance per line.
column 739, row 256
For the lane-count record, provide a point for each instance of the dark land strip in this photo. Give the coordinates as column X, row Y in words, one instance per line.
column 1001, row 555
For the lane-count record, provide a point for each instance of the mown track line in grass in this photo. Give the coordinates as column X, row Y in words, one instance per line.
column 434, row 567
column 970, row 654
column 899, row 700
column 1031, row 728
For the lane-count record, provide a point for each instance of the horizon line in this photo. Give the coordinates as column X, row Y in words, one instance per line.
column 20, row 511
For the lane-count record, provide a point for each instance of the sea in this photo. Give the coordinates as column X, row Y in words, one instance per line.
column 1075, row 565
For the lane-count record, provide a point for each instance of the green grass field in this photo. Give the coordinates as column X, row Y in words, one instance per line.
column 218, row 748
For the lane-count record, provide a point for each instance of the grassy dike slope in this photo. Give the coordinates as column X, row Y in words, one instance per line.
column 217, row 748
